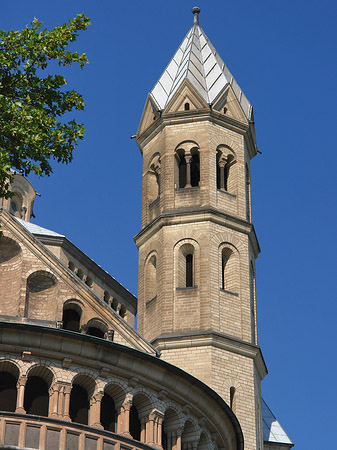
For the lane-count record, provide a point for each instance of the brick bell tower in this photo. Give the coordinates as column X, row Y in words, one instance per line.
column 197, row 245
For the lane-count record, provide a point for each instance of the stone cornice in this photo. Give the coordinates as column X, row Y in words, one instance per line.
column 200, row 115
column 214, row 339
column 198, row 215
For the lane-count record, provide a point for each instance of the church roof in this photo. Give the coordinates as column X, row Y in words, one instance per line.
column 272, row 430
column 36, row 229
column 197, row 60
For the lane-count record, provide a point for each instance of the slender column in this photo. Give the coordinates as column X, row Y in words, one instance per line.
column 21, row 394
column 95, row 410
column 160, row 431
column 66, row 402
column 123, row 424
column 188, row 159
column 144, row 429
column 54, row 395
column 157, row 172
column 154, row 428
column 222, row 165
column 178, row 441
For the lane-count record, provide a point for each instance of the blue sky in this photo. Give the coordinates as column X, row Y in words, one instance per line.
column 283, row 55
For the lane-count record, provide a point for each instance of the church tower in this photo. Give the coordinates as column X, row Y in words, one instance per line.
column 197, row 244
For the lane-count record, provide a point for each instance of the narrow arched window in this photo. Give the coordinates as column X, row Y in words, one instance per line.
column 232, row 399
column 229, row 270
column 71, row 320
column 189, row 270
column 188, row 166
column 151, row 278
column 94, row 331
column 186, row 261
column 187, row 106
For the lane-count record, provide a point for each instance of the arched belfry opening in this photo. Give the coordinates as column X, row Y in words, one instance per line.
column 187, row 165
column 226, row 177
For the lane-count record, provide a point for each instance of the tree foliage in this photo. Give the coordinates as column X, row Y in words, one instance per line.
column 33, row 102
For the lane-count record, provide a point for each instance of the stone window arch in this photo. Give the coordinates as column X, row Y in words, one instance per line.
column 153, row 178
column 82, row 390
column 226, row 169
column 10, row 276
column 96, row 327
column 36, row 401
column 71, row 317
column 187, row 264
column 9, row 374
column 112, row 401
column 189, row 437
column 229, row 269
column 151, row 277
column 171, row 425
column 187, row 171
column 41, row 292
column 204, row 442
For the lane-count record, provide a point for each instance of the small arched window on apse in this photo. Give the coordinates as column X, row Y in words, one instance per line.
column 226, row 170
column 153, row 178
column 96, row 328
column 186, row 266
column 230, row 270
column 151, row 278
column 71, row 317
column 122, row 312
column 187, row 172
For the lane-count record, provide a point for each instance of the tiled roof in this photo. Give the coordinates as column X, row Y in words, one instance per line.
column 36, row 229
column 197, row 60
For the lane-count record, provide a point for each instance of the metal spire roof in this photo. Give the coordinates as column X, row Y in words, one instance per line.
column 197, row 60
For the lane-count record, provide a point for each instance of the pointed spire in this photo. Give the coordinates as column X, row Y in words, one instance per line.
column 197, row 60
column 196, row 12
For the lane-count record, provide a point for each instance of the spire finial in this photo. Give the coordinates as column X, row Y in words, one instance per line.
column 196, row 12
